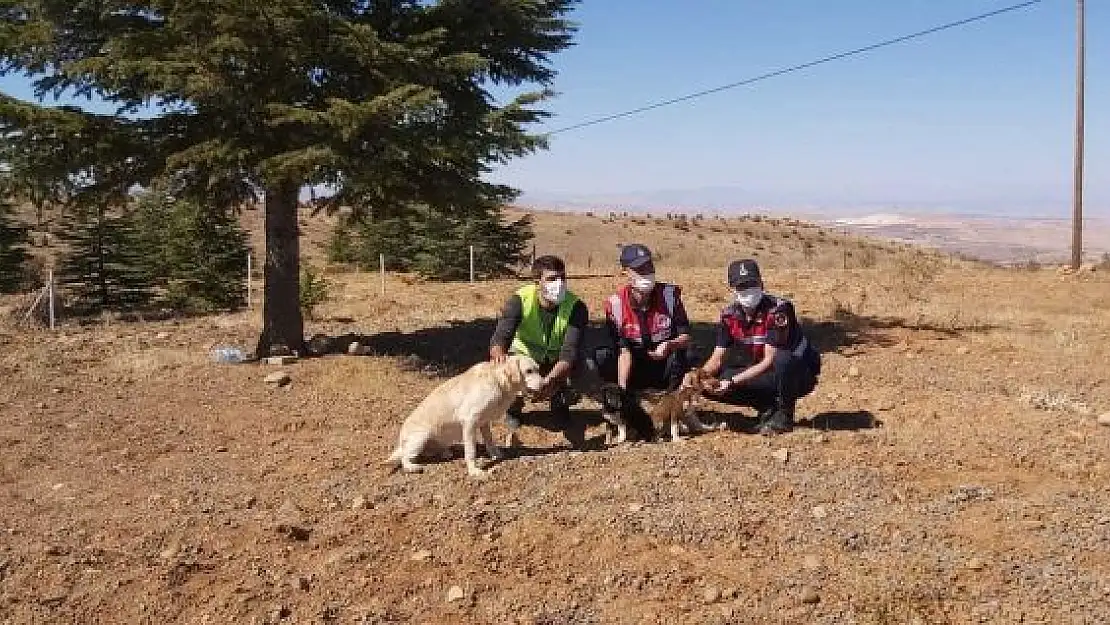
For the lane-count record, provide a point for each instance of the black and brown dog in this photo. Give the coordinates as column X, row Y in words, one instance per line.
column 669, row 412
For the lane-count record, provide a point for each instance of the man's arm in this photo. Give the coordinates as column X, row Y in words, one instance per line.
column 716, row 360
column 624, row 367
column 681, row 326
column 757, row 369
column 623, row 347
column 507, row 323
column 572, row 341
column 782, row 324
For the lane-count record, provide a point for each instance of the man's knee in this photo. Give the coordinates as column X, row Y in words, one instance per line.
column 603, row 361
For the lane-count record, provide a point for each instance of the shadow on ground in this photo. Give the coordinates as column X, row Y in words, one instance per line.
column 833, row 421
column 451, row 348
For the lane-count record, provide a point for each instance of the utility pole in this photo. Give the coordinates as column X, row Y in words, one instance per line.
column 1077, row 191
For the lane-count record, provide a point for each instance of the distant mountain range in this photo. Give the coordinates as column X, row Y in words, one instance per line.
column 1010, row 235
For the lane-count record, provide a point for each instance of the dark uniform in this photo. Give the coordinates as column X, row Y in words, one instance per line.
column 796, row 366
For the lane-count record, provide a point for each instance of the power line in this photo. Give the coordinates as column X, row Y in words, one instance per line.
column 796, row 68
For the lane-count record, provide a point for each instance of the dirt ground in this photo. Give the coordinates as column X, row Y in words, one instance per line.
column 949, row 468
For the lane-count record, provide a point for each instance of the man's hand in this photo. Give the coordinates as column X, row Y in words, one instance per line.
column 721, row 387
column 661, row 351
column 497, row 354
column 550, row 384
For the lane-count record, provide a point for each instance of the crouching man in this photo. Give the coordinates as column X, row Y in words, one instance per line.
column 546, row 321
column 783, row 365
column 650, row 335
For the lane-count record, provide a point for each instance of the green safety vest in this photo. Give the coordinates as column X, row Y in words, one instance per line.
column 529, row 338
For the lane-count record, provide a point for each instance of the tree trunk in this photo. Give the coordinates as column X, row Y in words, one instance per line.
column 282, row 323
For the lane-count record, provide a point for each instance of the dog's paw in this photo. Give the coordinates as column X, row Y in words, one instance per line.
column 478, row 474
column 412, row 468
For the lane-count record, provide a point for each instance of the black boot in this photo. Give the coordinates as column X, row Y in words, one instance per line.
column 574, row 427
column 779, row 420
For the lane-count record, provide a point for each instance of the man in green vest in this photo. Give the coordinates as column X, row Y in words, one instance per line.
column 547, row 322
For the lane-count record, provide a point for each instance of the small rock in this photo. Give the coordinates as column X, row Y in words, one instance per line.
column 56, row 390
column 635, row 507
column 455, row 593
column 290, row 522
column 280, row 361
column 809, row 596
column 782, row 454
column 711, row 595
column 975, row 564
column 963, row 349
column 481, row 502
column 303, row 583
column 1104, row 419
column 250, row 501
column 853, row 372
column 161, row 336
column 168, row 554
column 278, row 378
column 730, row 593
column 358, row 503
column 819, row 512
column 421, row 556
column 295, row 532
column 676, row 550
column 221, row 449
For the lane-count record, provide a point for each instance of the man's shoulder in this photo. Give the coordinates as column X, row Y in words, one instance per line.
column 779, row 303
column 781, row 311
column 731, row 310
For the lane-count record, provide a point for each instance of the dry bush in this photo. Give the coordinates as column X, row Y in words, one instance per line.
column 914, row 274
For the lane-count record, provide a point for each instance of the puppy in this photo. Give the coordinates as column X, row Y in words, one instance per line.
column 460, row 409
column 680, row 406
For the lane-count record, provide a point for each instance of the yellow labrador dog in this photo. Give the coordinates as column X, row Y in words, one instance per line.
column 462, row 407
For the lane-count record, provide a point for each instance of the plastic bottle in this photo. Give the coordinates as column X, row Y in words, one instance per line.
column 228, row 354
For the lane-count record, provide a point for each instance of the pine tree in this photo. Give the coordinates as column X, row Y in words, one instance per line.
column 388, row 102
column 105, row 266
column 13, row 250
column 196, row 254
column 435, row 244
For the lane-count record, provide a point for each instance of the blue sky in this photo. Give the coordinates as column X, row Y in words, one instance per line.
column 975, row 119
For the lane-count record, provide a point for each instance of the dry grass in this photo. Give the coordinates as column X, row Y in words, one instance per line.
column 140, row 482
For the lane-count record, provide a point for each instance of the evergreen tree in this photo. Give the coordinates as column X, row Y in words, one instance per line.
column 435, row 244
column 13, row 249
column 105, row 265
column 197, row 255
column 388, row 102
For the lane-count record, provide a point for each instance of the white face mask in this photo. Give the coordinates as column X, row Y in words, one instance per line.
column 644, row 284
column 749, row 298
column 555, row 291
